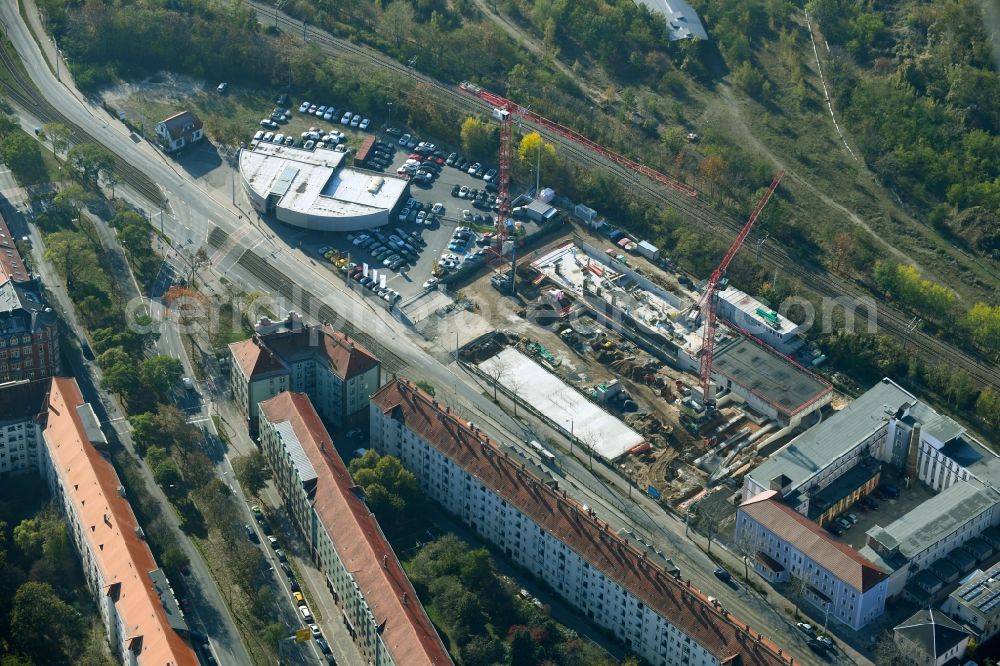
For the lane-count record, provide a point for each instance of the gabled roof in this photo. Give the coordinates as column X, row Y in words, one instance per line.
column 185, row 121
column 933, row 631
column 110, row 529
column 256, row 362
column 407, row 632
column 347, row 357
column 725, row 637
column 11, row 265
column 812, row 540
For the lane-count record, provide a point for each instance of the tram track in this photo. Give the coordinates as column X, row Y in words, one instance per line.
column 23, row 92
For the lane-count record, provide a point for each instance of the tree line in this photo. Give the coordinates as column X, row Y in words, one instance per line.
column 47, row 615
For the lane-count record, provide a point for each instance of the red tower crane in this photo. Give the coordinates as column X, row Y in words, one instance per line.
column 506, row 111
column 709, row 301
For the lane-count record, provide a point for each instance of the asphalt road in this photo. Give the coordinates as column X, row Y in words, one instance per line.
column 194, row 211
column 210, row 616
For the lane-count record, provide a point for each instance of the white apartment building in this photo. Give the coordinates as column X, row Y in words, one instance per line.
column 142, row 622
column 21, row 404
column 624, row 590
column 842, row 583
column 337, row 373
column 380, row 607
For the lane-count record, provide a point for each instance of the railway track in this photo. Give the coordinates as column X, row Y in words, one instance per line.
column 890, row 320
column 314, row 308
column 22, row 91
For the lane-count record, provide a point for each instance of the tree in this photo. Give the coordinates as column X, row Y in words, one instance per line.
column 496, row 370
column 167, row 475
column 395, row 20
column 673, row 139
column 988, row 407
column 888, row 653
column 709, row 518
column 123, row 379
column 523, row 650
column 843, row 243
column 111, row 179
column 21, row 153
column 161, row 373
column 58, row 136
column 43, row 625
column 482, row 651
column 89, row 161
column 29, row 538
column 274, row 633
column 478, row 137
column 390, row 489
column 73, row 255
column 252, row 472
column 145, row 429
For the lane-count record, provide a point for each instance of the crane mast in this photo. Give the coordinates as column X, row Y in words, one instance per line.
column 710, row 299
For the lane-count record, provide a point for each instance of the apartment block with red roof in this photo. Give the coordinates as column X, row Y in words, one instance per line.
column 337, row 373
column 843, row 583
column 624, row 590
column 379, row 605
column 142, row 621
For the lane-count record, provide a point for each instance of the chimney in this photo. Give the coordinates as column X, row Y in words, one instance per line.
column 385, row 561
column 406, row 598
column 914, row 452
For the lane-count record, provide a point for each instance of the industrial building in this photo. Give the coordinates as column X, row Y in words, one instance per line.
column 976, row 603
column 946, row 527
column 53, row 432
column 770, row 384
column 750, row 315
column 842, row 583
column 316, row 189
column 337, row 373
column 597, row 430
column 825, row 470
column 682, row 19
column 379, row 606
column 620, row 588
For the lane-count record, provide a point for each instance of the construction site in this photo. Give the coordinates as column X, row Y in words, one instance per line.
column 679, row 387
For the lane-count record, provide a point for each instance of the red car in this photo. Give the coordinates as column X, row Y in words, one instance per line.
column 416, row 156
column 439, row 161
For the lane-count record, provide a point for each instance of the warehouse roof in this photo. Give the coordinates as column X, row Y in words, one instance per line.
column 407, row 632
column 787, row 387
column 316, row 182
column 929, row 522
column 722, row 635
column 839, row 434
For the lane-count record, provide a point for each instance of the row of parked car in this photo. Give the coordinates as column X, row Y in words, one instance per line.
column 395, row 251
column 314, row 137
column 847, row 520
column 481, row 199
column 329, row 113
column 380, row 156
column 417, row 213
column 297, row 595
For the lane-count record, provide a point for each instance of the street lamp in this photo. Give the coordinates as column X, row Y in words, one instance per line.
column 388, row 122
column 571, row 436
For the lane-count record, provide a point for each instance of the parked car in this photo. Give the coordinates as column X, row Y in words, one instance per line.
column 853, row 517
column 267, row 123
column 306, row 615
column 890, row 490
column 320, row 111
column 403, row 140
column 804, row 627
column 346, row 118
column 844, row 522
column 251, row 534
column 363, row 125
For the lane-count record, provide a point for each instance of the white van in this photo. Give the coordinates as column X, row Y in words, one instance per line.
column 222, row 88
column 306, row 615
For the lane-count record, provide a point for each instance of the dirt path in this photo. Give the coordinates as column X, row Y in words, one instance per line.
column 742, row 129
column 530, row 42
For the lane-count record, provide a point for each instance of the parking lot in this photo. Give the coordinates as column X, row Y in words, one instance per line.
column 431, row 183
column 889, row 509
